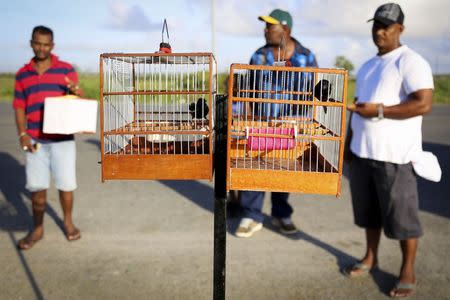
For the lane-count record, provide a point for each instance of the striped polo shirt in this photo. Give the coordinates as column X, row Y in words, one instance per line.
column 31, row 89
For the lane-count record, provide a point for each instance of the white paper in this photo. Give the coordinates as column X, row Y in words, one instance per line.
column 66, row 115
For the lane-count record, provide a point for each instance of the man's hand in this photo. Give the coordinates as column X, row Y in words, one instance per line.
column 72, row 86
column 25, row 143
column 366, row 110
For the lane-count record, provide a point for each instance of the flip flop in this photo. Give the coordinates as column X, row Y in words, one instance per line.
column 359, row 269
column 27, row 242
column 409, row 289
column 74, row 235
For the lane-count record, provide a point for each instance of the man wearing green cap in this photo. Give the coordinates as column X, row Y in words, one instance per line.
column 280, row 46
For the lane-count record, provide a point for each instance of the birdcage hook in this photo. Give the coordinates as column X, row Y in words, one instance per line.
column 165, row 46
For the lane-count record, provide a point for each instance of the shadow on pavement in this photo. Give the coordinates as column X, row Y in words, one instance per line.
column 12, row 185
column 14, row 214
column 195, row 191
column 203, row 196
column 384, row 280
column 433, row 196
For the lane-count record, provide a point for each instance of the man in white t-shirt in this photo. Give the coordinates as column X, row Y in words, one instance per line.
column 393, row 90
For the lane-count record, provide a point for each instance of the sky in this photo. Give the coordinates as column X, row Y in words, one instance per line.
column 84, row 29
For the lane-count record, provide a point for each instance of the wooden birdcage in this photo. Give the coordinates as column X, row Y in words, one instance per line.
column 285, row 129
column 157, row 115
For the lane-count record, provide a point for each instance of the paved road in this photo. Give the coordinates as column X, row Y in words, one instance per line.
column 154, row 240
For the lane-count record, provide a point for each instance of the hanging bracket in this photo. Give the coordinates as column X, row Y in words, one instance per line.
column 164, row 47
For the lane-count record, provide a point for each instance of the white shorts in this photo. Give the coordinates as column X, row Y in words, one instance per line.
column 57, row 159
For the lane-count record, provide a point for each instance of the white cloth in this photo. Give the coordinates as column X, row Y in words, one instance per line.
column 426, row 165
column 389, row 79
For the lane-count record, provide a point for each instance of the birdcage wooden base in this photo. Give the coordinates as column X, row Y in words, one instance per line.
column 284, row 181
column 308, row 172
column 158, row 167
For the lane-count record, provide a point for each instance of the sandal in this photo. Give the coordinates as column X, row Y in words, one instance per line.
column 403, row 290
column 28, row 242
column 74, row 235
column 359, row 269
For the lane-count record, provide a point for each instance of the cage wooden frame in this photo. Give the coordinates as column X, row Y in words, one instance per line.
column 146, row 164
column 284, row 179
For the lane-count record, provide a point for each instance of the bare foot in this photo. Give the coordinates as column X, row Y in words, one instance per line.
column 30, row 239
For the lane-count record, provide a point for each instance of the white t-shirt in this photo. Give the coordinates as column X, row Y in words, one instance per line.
column 389, row 79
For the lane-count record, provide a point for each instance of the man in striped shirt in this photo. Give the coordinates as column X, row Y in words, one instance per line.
column 45, row 76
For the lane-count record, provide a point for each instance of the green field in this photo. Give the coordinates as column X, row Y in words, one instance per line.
column 6, row 86
column 90, row 83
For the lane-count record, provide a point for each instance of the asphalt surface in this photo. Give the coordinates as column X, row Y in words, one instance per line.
column 154, row 239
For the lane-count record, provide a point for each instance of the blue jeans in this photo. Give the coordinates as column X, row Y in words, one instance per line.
column 252, row 203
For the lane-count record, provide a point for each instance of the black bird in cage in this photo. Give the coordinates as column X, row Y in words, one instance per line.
column 199, row 110
column 322, row 92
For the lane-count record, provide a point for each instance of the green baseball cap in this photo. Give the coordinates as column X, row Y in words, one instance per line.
column 278, row 16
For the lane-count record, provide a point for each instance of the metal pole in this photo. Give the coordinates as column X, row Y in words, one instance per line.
column 213, row 26
column 220, row 195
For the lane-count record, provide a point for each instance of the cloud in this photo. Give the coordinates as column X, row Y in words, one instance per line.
column 129, row 18
column 232, row 17
column 330, row 28
column 331, row 17
column 328, row 18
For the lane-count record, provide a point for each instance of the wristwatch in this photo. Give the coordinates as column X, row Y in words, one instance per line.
column 380, row 109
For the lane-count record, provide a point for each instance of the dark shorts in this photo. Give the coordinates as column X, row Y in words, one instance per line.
column 384, row 195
